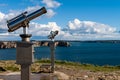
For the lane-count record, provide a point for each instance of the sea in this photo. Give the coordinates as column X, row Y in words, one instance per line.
column 82, row 52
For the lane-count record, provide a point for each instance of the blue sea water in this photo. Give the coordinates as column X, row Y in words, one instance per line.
column 93, row 53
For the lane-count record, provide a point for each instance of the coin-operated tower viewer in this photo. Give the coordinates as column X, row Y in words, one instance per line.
column 25, row 49
column 52, row 48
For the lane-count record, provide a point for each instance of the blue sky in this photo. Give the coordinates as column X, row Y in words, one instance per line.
column 81, row 18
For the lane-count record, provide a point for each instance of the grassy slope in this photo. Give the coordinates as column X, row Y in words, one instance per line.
column 11, row 66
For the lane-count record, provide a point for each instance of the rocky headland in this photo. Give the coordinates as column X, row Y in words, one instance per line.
column 12, row 44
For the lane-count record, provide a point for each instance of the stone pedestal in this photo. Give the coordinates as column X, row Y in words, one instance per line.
column 25, row 53
column 25, row 56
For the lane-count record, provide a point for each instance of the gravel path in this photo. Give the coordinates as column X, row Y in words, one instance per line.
column 35, row 76
column 16, row 76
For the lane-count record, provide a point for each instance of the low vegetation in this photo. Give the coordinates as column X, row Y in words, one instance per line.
column 11, row 66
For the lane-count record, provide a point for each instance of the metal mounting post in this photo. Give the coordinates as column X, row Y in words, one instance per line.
column 52, row 48
column 25, row 72
column 25, row 30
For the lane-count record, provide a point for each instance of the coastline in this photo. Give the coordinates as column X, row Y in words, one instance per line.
column 61, row 43
column 12, row 44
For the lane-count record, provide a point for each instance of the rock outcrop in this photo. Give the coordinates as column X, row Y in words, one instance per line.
column 63, row 43
column 7, row 44
column 12, row 44
column 2, row 69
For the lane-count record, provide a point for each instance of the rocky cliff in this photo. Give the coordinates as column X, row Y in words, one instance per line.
column 12, row 44
column 7, row 44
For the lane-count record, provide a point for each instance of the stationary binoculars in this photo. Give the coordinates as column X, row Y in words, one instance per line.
column 52, row 34
column 23, row 19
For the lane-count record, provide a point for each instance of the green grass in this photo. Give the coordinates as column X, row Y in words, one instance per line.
column 74, row 65
column 11, row 66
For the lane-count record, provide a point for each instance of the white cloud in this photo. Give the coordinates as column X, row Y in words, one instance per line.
column 89, row 27
column 1, row 16
column 2, row 21
column 50, row 13
column 43, row 29
column 32, row 8
column 51, row 3
column 89, row 30
column 82, row 30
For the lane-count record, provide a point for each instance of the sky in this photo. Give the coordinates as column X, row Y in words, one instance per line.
column 74, row 19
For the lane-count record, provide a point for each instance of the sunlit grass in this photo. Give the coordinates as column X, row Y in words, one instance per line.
column 11, row 66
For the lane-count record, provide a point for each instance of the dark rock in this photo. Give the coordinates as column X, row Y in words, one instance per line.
column 63, row 43
column 44, row 43
column 36, row 43
column 2, row 69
